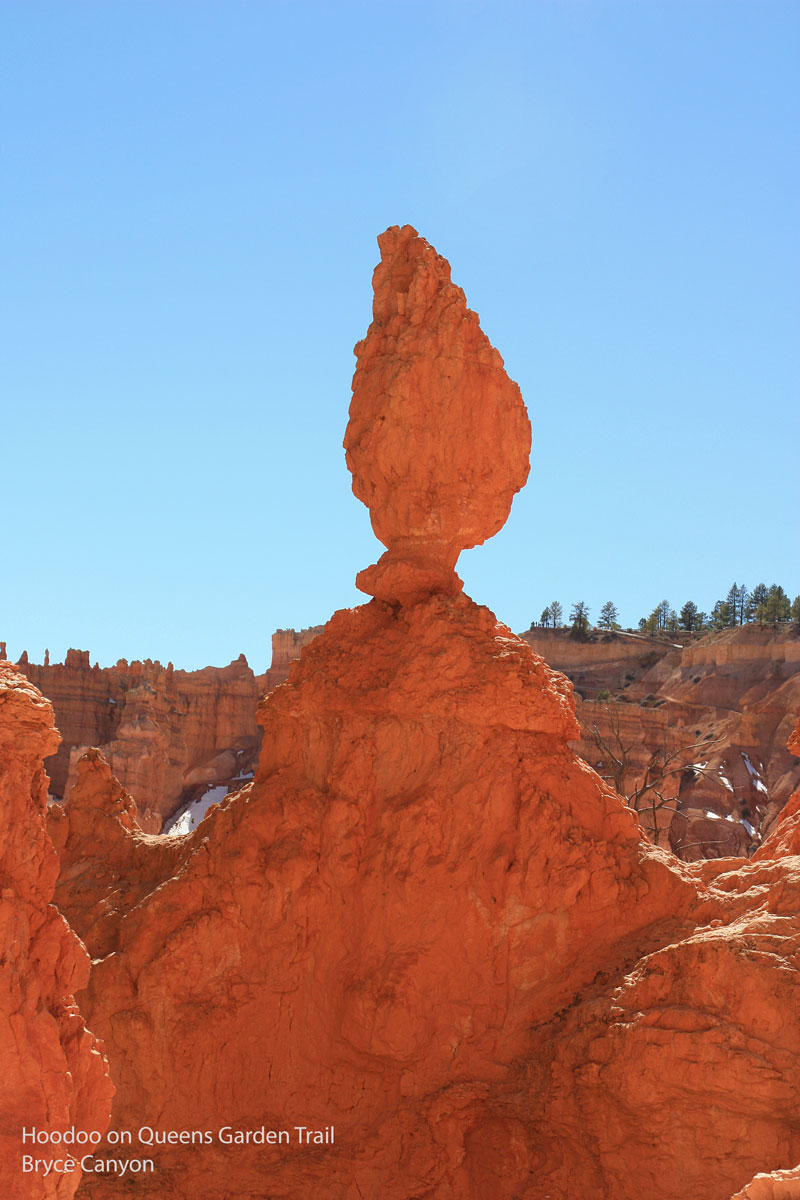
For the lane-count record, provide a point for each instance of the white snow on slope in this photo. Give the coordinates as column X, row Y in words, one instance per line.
column 755, row 775
column 190, row 816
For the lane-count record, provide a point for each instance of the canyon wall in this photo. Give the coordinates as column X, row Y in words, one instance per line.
column 722, row 703
column 286, row 647
column 716, row 713
column 166, row 733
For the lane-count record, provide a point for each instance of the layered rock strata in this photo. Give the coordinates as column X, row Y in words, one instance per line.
column 286, row 647
column 54, row 1074
column 720, row 710
column 167, row 734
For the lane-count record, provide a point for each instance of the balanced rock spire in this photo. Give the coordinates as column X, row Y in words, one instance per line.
column 439, row 439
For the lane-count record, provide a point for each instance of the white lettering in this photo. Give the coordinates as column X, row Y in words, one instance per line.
column 116, row 1137
column 58, row 1166
column 116, row 1166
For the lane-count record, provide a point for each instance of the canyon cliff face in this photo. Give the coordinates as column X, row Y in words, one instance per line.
column 427, row 922
column 717, row 712
column 785, row 837
column 54, row 1073
column 167, row 734
column 286, row 647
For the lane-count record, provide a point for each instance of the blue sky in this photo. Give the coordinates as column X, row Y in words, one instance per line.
column 191, row 197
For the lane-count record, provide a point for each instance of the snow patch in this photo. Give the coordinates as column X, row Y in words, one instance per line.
column 190, row 816
column 714, row 816
column 753, row 771
column 755, row 775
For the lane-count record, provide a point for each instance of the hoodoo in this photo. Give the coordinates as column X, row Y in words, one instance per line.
column 427, row 923
column 438, row 439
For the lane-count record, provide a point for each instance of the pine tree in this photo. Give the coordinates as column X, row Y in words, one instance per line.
column 796, row 610
column 608, row 615
column 721, row 614
column 743, row 601
column 545, row 618
column 755, row 602
column 688, row 616
column 737, row 604
column 556, row 613
column 732, row 602
column 579, row 616
column 777, row 606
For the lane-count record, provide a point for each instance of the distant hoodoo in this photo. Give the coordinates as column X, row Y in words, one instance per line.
column 438, row 440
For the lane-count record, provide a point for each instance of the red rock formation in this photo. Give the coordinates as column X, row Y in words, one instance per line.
column 108, row 864
column 164, row 732
column 415, row 779
column 725, row 702
column 785, row 838
column 286, row 647
column 603, row 661
column 778, row 1185
column 429, row 924
column 53, row 1071
column 438, row 439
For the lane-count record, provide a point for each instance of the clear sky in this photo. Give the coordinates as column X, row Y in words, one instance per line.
column 191, row 194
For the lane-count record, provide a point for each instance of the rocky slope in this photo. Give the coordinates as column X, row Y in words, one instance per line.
column 167, row 734
column 427, row 923
column 721, row 706
column 54, row 1073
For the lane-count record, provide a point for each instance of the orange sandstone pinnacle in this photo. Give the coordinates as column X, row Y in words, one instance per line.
column 439, row 438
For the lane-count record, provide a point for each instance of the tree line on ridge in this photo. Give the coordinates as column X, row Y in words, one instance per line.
column 763, row 605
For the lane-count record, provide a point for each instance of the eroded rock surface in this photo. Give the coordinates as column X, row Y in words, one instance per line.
column 54, row 1074
column 108, row 863
column 777, row 1185
column 719, row 709
column 785, row 837
column 167, row 734
column 286, row 647
column 438, row 438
